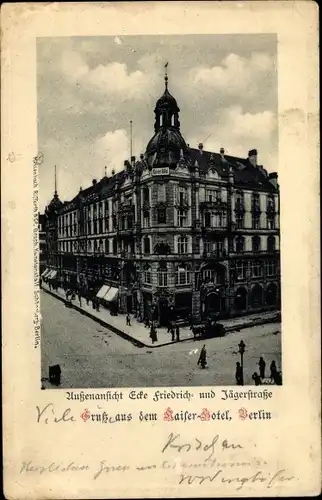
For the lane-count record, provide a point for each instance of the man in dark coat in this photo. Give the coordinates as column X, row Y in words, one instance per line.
column 178, row 333
column 273, row 370
column 261, row 363
column 256, row 379
column 239, row 374
column 153, row 335
column 203, row 357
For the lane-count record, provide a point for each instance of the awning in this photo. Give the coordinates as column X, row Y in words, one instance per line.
column 44, row 274
column 52, row 275
column 111, row 295
column 102, row 291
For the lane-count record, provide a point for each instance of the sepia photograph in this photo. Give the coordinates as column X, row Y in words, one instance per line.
column 159, row 209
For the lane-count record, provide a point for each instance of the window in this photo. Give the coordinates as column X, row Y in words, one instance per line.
column 239, row 221
column 256, row 243
column 207, row 219
column 240, row 244
column 146, row 245
column 182, row 275
column 162, row 196
column 114, row 246
column 147, row 275
column 89, row 228
column 182, row 218
column 241, row 268
column 255, row 202
column 256, row 269
column 239, row 202
column 162, row 275
column 146, row 220
column 270, row 221
column 222, row 220
column 162, row 215
column 209, row 195
column 270, row 203
column 182, row 244
column 255, row 221
column 146, row 195
column 207, row 246
column 271, row 268
column 100, row 226
column 271, row 245
column 182, row 197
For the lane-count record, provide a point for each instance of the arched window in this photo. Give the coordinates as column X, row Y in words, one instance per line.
column 182, row 244
column 183, row 275
column 162, row 274
column 240, row 244
column 256, row 243
column 114, row 246
column 271, row 245
column 147, row 275
column 207, row 219
column 240, row 298
column 146, row 195
column 256, row 296
column 146, row 245
column 239, row 204
column 271, row 294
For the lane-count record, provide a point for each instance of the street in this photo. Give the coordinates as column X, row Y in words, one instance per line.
column 91, row 356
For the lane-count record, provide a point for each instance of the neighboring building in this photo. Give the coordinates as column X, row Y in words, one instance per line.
column 42, row 243
column 180, row 230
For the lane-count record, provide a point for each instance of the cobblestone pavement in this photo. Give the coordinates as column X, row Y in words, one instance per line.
column 91, row 356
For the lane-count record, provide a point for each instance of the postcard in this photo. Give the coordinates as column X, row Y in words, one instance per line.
column 160, row 201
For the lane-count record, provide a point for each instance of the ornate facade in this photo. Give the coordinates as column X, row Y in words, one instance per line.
column 178, row 232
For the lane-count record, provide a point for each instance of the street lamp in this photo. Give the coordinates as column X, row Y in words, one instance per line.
column 241, row 351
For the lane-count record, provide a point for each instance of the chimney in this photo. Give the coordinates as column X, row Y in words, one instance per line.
column 141, row 156
column 252, row 157
column 272, row 177
column 222, row 152
column 132, row 161
column 113, row 171
column 200, row 147
column 94, row 182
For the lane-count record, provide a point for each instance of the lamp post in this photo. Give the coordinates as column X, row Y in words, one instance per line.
column 241, row 351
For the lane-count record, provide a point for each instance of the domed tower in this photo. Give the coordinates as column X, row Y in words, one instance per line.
column 165, row 146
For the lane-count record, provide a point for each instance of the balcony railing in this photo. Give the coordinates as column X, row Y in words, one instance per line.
column 214, row 254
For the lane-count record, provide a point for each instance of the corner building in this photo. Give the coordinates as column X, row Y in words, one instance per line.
column 180, row 232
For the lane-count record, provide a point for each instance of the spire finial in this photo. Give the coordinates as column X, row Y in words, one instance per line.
column 55, row 180
column 166, row 75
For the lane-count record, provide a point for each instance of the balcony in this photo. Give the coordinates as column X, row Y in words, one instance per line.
column 126, row 207
column 216, row 205
column 215, row 254
column 213, row 230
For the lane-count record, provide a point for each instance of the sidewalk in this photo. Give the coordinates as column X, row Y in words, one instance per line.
column 138, row 334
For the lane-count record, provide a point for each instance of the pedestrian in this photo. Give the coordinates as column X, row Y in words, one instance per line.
column 97, row 303
column 273, row 370
column 128, row 320
column 261, row 363
column 87, row 299
column 169, row 326
column 93, row 303
column 178, row 333
column 239, row 374
column 172, row 334
column 203, row 357
column 80, row 299
column 256, row 378
column 153, row 335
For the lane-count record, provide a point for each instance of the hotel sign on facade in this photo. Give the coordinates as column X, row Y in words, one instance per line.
column 160, row 171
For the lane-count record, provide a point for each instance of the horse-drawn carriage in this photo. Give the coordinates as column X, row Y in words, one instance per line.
column 208, row 329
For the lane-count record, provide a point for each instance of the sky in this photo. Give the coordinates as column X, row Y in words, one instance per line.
column 89, row 88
